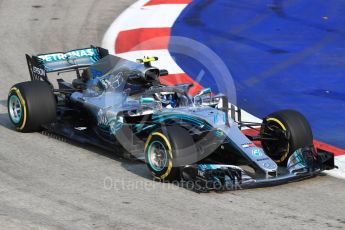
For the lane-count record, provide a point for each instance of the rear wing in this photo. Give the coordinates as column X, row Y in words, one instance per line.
column 42, row 64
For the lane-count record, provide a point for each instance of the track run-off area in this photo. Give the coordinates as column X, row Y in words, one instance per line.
column 49, row 184
column 130, row 37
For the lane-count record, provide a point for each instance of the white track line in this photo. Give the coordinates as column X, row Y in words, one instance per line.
column 340, row 172
column 138, row 16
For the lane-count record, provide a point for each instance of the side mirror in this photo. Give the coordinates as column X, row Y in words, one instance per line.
column 204, row 91
column 150, row 103
column 198, row 99
column 146, row 100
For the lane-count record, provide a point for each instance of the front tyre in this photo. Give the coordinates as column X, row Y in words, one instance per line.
column 291, row 131
column 30, row 105
column 167, row 150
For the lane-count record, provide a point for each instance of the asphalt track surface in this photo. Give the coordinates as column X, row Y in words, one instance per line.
column 49, row 184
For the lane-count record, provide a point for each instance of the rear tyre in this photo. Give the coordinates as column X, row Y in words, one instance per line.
column 166, row 149
column 30, row 105
column 291, row 129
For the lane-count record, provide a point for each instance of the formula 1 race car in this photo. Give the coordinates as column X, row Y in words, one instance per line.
column 121, row 106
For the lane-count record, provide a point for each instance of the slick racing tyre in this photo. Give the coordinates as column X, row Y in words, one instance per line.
column 164, row 148
column 291, row 131
column 30, row 105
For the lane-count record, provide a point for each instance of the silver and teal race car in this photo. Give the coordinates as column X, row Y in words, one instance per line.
column 121, row 106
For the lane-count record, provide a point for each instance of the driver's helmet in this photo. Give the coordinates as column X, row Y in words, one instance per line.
column 169, row 100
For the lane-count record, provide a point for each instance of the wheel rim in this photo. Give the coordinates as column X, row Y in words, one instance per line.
column 157, row 155
column 277, row 149
column 15, row 109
